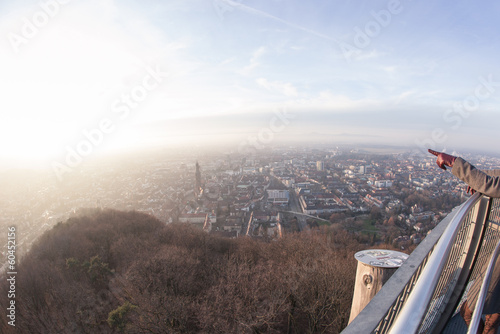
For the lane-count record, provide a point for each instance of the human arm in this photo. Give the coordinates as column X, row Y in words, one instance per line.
column 477, row 179
column 492, row 172
column 487, row 182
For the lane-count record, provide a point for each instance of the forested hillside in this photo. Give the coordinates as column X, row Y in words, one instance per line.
column 109, row 271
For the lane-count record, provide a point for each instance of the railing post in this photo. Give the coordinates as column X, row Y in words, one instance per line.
column 375, row 267
column 471, row 243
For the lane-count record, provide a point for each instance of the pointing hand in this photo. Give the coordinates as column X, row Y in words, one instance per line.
column 443, row 159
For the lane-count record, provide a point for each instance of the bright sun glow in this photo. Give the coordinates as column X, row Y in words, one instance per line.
column 65, row 79
column 165, row 71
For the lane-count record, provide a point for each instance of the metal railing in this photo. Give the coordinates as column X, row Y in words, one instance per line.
column 428, row 290
column 481, row 300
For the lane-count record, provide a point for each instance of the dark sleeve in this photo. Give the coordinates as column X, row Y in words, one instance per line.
column 477, row 179
column 492, row 172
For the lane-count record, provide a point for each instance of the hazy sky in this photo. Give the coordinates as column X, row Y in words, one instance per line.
column 161, row 72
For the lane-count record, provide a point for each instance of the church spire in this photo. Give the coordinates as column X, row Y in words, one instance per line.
column 197, row 186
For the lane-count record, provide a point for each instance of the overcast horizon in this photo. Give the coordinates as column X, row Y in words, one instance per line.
column 93, row 76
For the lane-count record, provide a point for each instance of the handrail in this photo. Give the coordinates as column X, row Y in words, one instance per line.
column 478, row 310
column 410, row 317
column 378, row 316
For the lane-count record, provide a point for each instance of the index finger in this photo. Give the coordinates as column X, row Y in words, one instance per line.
column 433, row 152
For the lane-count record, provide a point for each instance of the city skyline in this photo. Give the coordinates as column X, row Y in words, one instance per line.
column 99, row 75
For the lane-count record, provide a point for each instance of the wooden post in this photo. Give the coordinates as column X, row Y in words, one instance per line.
column 375, row 267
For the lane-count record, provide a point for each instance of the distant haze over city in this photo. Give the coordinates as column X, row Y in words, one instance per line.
column 88, row 77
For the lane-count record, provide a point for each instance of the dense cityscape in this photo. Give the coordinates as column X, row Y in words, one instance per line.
column 392, row 198
column 224, row 166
